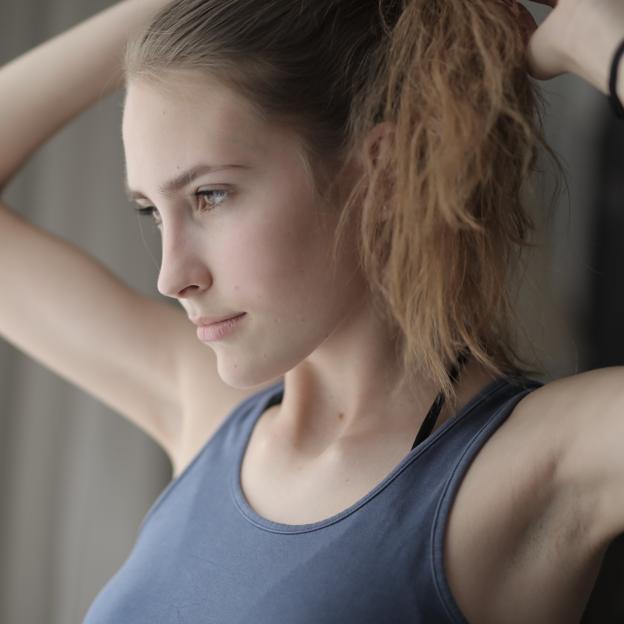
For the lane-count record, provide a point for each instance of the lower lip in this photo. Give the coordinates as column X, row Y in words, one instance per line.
column 217, row 331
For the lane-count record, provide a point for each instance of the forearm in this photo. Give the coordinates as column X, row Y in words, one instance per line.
column 45, row 88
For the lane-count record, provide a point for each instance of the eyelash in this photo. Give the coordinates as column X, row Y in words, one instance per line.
column 149, row 211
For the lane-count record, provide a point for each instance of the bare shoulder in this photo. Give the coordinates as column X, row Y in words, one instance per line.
column 527, row 514
column 584, row 416
column 205, row 400
column 592, row 407
column 570, row 398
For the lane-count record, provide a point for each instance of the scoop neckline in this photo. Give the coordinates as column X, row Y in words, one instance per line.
column 270, row 398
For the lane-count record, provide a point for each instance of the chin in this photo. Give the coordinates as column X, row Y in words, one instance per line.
column 242, row 378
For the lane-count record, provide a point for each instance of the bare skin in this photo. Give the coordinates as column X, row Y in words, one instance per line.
column 514, row 531
column 262, row 249
column 519, row 526
column 265, row 249
column 577, row 36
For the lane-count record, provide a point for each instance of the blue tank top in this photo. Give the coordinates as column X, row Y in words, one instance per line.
column 202, row 554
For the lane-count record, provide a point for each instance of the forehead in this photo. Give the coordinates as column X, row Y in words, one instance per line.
column 188, row 96
column 190, row 115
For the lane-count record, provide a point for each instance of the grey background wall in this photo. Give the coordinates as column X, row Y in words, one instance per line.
column 75, row 477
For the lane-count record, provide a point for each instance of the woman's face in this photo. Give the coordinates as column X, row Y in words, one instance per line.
column 258, row 242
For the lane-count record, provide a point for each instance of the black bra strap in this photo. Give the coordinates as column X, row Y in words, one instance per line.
column 430, row 420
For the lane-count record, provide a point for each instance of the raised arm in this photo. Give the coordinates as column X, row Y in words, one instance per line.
column 59, row 305
column 577, row 36
column 73, row 71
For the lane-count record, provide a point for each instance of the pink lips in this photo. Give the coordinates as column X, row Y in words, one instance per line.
column 216, row 330
column 209, row 320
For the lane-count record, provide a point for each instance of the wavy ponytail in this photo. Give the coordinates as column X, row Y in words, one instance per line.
column 443, row 216
column 440, row 208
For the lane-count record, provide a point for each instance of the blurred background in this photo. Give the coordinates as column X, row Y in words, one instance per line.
column 76, row 478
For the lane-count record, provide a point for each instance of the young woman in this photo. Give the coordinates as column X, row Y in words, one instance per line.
column 343, row 180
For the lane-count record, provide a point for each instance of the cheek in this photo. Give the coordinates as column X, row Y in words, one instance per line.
column 282, row 264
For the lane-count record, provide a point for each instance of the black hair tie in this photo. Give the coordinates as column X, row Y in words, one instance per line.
column 618, row 109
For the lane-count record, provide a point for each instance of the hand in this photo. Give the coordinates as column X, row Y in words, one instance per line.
column 578, row 36
column 545, row 52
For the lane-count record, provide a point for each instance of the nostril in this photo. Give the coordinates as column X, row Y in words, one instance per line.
column 187, row 290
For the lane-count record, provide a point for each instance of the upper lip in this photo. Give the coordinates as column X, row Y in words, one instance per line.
column 209, row 320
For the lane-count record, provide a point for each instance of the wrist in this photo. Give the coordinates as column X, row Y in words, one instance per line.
column 591, row 58
column 619, row 83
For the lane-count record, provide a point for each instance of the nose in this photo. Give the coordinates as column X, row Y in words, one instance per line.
column 183, row 272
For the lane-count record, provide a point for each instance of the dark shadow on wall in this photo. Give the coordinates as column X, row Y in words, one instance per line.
column 605, row 330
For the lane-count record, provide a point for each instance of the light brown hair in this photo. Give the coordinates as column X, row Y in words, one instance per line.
column 440, row 206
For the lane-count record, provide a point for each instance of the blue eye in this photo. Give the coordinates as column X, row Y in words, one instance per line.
column 150, row 211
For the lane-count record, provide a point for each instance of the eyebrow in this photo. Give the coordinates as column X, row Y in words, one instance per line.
column 182, row 180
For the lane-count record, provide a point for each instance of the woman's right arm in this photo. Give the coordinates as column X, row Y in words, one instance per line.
column 48, row 86
column 58, row 304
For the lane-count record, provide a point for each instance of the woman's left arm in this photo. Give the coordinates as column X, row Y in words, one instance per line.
column 591, row 468
column 581, row 37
